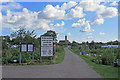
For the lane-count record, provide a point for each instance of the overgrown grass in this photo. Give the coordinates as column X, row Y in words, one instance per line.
column 106, row 71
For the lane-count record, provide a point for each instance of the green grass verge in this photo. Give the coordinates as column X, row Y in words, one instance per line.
column 106, row 71
column 59, row 56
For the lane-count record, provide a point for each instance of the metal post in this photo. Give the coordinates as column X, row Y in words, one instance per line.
column 33, row 57
column 20, row 58
column 20, row 53
column 33, row 54
column 51, row 60
column 40, row 59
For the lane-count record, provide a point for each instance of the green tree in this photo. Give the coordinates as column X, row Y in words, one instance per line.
column 23, row 36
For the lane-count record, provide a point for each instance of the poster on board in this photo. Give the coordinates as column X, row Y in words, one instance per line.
column 23, row 48
column 30, row 47
column 46, row 46
column 46, row 51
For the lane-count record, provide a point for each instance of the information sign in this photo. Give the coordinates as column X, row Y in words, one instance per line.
column 23, row 48
column 46, row 46
column 30, row 48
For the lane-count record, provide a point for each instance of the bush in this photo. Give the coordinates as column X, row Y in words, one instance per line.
column 109, row 56
column 5, row 60
column 36, row 56
column 98, row 59
column 59, row 49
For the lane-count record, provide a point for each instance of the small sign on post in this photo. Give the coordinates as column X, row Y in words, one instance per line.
column 23, row 47
column 27, row 48
column 30, row 48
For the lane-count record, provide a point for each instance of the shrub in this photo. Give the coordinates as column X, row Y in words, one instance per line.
column 109, row 56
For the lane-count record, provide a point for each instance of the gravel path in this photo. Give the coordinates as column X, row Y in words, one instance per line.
column 71, row 67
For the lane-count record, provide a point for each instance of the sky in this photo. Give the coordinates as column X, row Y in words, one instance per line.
column 80, row 21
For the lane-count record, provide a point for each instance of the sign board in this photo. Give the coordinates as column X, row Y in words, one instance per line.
column 30, row 48
column 26, row 47
column 23, row 48
column 46, row 46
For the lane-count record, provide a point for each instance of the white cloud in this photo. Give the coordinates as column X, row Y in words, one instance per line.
column 51, row 24
column 60, row 25
column 76, row 12
column 11, row 6
column 13, row 29
column 68, row 5
column 0, row 17
column 104, row 12
column 87, row 27
column 90, row 37
column 98, row 22
column 90, row 34
column 57, row 12
column 69, row 34
column 93, row 30
column 60, row 29
column 94, row 0
column 102, row 33
column 82, row 23
column 100, row 9
column 108, row 12
column 114, row 3
column 89, row 5
column 4, row 1
column 25, row 19
column 51, row 12
column 0, row 22
column 41, row 19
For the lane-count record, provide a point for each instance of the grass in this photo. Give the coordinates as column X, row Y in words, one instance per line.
column 59, row 56
column 106, row 71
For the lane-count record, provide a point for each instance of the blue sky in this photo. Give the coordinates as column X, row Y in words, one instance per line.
column 98, row 22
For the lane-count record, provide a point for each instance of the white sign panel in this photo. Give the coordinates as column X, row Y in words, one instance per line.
column 23, row 47
column 30, row 48
column 46, row 46
column 46, row 51
column 46, row 41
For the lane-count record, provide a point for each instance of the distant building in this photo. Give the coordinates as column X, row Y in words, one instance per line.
column 64, row 42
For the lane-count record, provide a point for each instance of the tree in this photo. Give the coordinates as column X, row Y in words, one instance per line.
column 5, row 41
column 75, row 45
column 23, row 36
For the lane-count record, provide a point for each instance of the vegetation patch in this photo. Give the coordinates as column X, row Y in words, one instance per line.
column 11, row 49
column 106, row 71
